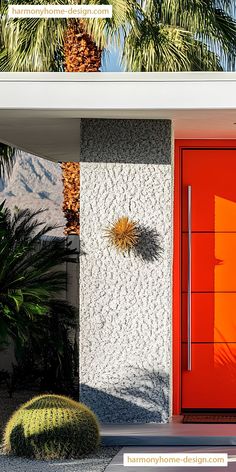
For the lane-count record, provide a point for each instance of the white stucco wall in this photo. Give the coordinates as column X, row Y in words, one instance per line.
column 125, row 301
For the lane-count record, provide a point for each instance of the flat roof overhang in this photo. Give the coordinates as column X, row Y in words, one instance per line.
column 40, row 112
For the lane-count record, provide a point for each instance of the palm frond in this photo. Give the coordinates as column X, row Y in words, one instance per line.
column 7, row 158
column 172, row 32
column 106, row 31
column 31, row 273
column 168, row 32
column 37, row 44
column 31, row 44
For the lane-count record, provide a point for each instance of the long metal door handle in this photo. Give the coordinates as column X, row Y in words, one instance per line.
column 189, row 278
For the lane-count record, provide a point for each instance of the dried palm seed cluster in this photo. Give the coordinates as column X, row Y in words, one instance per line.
column 123, row 234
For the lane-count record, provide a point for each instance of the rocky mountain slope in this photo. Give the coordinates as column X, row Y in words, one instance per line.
column 35, row 183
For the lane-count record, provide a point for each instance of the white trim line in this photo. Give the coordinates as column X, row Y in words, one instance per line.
column 118, row 77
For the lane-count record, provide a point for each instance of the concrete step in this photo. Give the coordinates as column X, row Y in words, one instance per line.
column 171, row 434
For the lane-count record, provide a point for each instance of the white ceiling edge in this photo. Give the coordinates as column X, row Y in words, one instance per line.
column 117, row 76
column 52, row 139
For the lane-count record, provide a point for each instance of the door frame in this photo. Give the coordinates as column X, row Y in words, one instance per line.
column 180, row 145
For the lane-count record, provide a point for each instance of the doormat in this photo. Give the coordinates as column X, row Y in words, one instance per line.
column 210, row 418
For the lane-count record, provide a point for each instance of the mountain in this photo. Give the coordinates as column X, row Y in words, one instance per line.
column 35, row 183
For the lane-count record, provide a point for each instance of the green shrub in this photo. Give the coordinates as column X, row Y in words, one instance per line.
column 51, row 427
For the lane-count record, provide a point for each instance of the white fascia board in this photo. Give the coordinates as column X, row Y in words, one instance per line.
column 118, row 76
column 119, row 91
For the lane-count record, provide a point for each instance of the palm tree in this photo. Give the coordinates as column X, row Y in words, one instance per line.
column 181, row 35
column 170, row 34
column 229, row 61
column 30, row 278
column 155, row 35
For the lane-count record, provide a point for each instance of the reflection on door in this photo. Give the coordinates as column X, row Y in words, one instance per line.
column 211, row 382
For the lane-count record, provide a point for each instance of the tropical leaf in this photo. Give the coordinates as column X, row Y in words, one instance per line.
column 181, row 35
column 30, row 273
column 36, row 44
column 169, row 34
column 7, row 158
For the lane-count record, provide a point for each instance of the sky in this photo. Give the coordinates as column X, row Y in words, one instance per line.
column 111, row 61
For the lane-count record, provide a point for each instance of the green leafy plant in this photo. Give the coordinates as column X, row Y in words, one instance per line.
column 182, row 35
column 30, row 277
column 4, row 377
column 52, row 427
column 7, row 157
column 48, row 359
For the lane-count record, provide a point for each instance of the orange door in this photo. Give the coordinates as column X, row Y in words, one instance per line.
column 209, row 279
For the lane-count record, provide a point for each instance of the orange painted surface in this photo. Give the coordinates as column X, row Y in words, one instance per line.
column 213, row 261
column 212, row 175
column 213, row 317
column 212, row 382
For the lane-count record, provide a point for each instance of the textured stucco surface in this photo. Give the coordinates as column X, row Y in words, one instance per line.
column 125, row 301
column 125, row 141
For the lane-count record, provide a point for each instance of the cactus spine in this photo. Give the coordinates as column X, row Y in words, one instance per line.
column 51, row 427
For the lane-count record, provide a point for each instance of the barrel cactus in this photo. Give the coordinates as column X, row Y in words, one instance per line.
column 51, row 427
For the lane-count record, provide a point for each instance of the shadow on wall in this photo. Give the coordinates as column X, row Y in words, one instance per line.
column 149, row 141
column 145, row 400
column 149, row 247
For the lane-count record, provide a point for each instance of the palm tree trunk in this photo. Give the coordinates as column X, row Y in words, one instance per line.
column 71, row 194
column 81, row 55
column 81, row 52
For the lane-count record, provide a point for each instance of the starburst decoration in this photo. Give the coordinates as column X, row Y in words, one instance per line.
column 123, row 234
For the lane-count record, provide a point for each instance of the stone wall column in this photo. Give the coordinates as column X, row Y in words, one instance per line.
column 125, row 300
